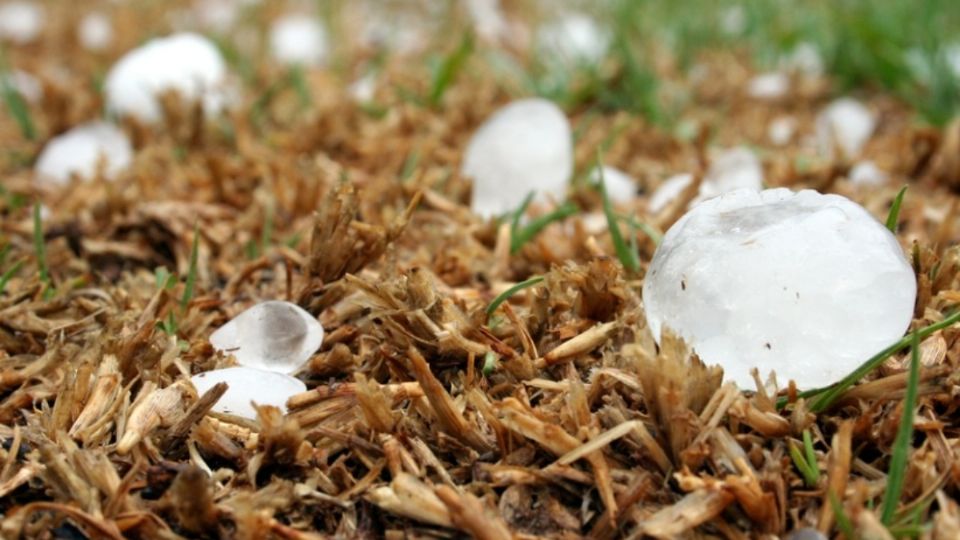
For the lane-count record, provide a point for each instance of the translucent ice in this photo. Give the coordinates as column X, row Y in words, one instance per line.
column 731, row 169
column 298, row 39
column 866, row 173
column 621, row 188
column 21, row 22
column 808, row 285
column 95, row 31
column 524, row 147
column 275, row 336
column 768, row 86
column 573, row 38
column 781, row 130
column 246, row 385
column 81, row 150
column 844, row 126
column 185, row 63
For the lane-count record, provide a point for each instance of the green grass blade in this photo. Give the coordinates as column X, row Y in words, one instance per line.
column 517, row 214
column 902, row 444
column 409, row 165
column 520, row 237
column 8, row 275
column 192, row 272
column 894, row 216
column 449, row 69
column 811, row 455
column 627, row 257
column 808, row 471
column 843, row 520
column 299, row 82
column 266, row 234
column 646, row 229
column 15, row 103
column 502, row 297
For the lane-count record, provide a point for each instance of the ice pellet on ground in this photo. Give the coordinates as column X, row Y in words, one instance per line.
column 730, row 169
column 21, row 22
column 844, row 126
column 246, row 385
column 185, row 63
column 781, row 130
column 24, row 84
column 805, row 59
column 621, row 188
column 808, row 285
column 768, row 86
column 524, row 147
column 273, row 335
column 81, row 150
column 299, row 39
column 95, row 31
column 866, row 173
column 573, row 38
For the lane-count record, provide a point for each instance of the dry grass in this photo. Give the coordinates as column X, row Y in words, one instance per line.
column 583, row 428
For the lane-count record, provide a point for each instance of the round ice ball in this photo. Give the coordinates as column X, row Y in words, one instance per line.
column 573, row 38
column 246, row 386
column 81, row 150
column 274, row 335
column 524, row 147
column 185, row 63
column 95, row 31
column 808, row 285
column 621, row 187
column 844, row 126
column 21, row 22
column 298, row 39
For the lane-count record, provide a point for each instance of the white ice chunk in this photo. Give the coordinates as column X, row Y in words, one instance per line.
column 805, row 59
column 185, row 63
column 95, row 31
column 489, row 21
column 81, row 151
column 952, row 55
column 246, row 385
column 845, row 126
column 274, row 336
column 363, row 89
column 733, row 20
column 524, row 147
column 24, row 83
column 768, row 86
column 806, row 284
column 781, row 130
column 621, row 187
column 21, row 22
column 866, row 173
column 299, row 39
column 734, row 168
column 573, row 38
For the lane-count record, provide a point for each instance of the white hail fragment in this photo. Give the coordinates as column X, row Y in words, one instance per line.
column 95, row 31
column 844, row 126
column 735, row 168
column 524, row 147
column 768, row 86
column 299, row 39
column 186, row 63
column 246, row 386
column 81, row 151
column 621, row 187
column 274, row 336
column 808, row 285
column 781, row 130
column 21, row 22
column 573, row 39
column 25, row 84
column 866, row 173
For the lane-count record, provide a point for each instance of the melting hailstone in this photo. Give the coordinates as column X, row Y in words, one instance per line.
column 21, row 22
column 246, row 385
column 81, row 151
column 844, row 127
column 866, row 173
column 524, row 147
column 808, row 285
column 768, row 86
column 185, row 63
column 731, row 169
column 621, row 187
column 573, row 39
column 299, row 39
column 274, row 336
column 95, row 31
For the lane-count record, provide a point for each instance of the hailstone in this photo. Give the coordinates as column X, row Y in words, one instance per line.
column 95, row 31
column 844, row 126
column 620, row 187
column 80, row 152
column 524, row 147
column 247, row 385
column 768, row 86
column 573, row 38
column 21, row 22
column 274, row 336
column 806, row 284
column 25, row 84
column 299, row 39
column 185, row 63
column 731, row 169
column 866, row 173
column 781, row 130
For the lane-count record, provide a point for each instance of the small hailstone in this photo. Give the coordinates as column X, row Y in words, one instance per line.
column 488, row 18
column 275, row 336
column 574, row 38
column 731, row 169
column 95, row 31
column 768, row 86
column 952, row 55
column 24, row 83
column 806, row 284
column 524, row 147
column 246, row 385
column 845, row 125
column 20, row 22
column 621, row 188
column 866, row 173
column 805, row 59
column 217, row 15
column 186, row 63
column 80, row 151
column 781, row 130
column 363, row 89
column 299, row 39
column 733, row 20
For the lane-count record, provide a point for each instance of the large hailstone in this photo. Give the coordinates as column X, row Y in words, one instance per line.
column 82, row 150
column 735, row 168
column 526, row 146
column 274, row 336
column 844, row 126
column 21, row 22
column 185, row 63
column 806, row 284
column 573, row 38
column 246, row 385
column 298, row 39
